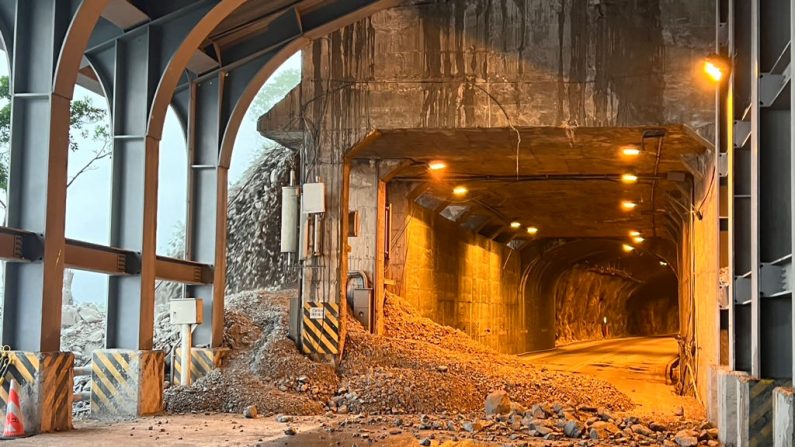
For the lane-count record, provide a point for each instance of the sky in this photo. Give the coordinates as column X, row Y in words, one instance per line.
column 88, row 198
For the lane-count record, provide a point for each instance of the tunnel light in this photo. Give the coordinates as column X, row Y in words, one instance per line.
column 716, row 67
column 532, row 230
column 634, row 233
column 630, row 151
column 460, row 190
column 629, row 178
column 713, row 71
column 638, row 239
column 515, row 224
column 628, row 205
column 663, row 263
column 627, row 248
column 437, row 165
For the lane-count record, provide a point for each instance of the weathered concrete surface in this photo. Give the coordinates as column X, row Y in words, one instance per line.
column 474, row 63
column 480, row 64
column 783, row 417
column 727, row 406
column 458, row 278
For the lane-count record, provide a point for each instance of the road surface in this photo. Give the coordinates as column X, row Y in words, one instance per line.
column 635, row 365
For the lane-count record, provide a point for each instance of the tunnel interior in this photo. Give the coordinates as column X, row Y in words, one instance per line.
column 539, row 251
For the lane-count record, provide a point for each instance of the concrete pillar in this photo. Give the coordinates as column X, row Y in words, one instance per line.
column 712, row 392
column 783, row 417
column 727, row 406
column 754, row 411
column 45, row 389
column 126, row 383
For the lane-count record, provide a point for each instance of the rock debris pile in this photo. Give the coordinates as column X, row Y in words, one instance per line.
column 254, row 258
column 417, row 367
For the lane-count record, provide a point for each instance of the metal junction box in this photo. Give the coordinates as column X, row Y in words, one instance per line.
column 186, row 311
column 314, row 198
column 362, row 306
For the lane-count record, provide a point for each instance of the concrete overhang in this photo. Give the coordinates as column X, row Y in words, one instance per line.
column 566, row 182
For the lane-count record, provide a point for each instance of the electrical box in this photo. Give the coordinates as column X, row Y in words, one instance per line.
column 186, row 311
column 362, row 307
column 314, row 198
column 289, row 229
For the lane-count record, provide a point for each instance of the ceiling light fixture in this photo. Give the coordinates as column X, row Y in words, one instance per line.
column 638, row 239
column 515, row 224
column 634, row 233
column 437, row 165
column 663, row 263
column 627, row 248
column 628, row 205
column 532, row 230
column 629, row 178
column 630, row 151
column 460, row 190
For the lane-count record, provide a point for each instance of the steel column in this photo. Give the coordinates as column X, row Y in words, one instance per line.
column 49, row 37
column 204, row 138
column 132, row 68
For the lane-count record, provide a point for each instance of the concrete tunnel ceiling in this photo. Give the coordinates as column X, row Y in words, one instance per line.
column 568, row 182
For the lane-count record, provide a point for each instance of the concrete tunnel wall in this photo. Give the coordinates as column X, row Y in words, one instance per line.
column 518, row 302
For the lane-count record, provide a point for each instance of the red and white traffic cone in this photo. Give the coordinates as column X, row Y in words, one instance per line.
column 14, row 427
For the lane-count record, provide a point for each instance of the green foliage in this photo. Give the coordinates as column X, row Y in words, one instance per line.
column 274, row 90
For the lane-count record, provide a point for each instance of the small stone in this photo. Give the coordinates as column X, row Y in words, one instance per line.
column 641, row 430
column 250, row 412
column 573, row 428
column 679, row 411
column 656, row 426
column 283, row 418
column 425, row 441
column 685, row 438
column 472, row 427
column 498, row 402
column 441, row 368
column 289, row 431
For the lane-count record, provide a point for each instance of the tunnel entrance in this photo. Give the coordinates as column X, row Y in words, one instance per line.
column 529, row 238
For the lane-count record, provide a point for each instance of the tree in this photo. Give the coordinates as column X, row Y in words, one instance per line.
column 274, row 90
column 87, row 121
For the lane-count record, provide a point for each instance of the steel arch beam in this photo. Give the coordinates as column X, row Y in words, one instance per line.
column 49, row 38
column 131, row 69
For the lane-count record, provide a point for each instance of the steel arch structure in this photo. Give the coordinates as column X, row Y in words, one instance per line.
column 207, row 59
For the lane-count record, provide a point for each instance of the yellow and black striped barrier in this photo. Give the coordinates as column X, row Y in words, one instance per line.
column 56, row 390
column 321, row 328
column 760, row 409
column 45, row 383
column 203, row 360
column 23, row 367
column 114, row 384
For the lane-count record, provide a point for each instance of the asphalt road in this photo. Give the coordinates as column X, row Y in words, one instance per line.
column 636, row 366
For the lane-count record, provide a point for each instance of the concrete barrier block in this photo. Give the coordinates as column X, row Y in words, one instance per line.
column 712, row 392
column 45, row 389
column 727, row 406
column 755, row 411
column 126, row 383
column 783, row 417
